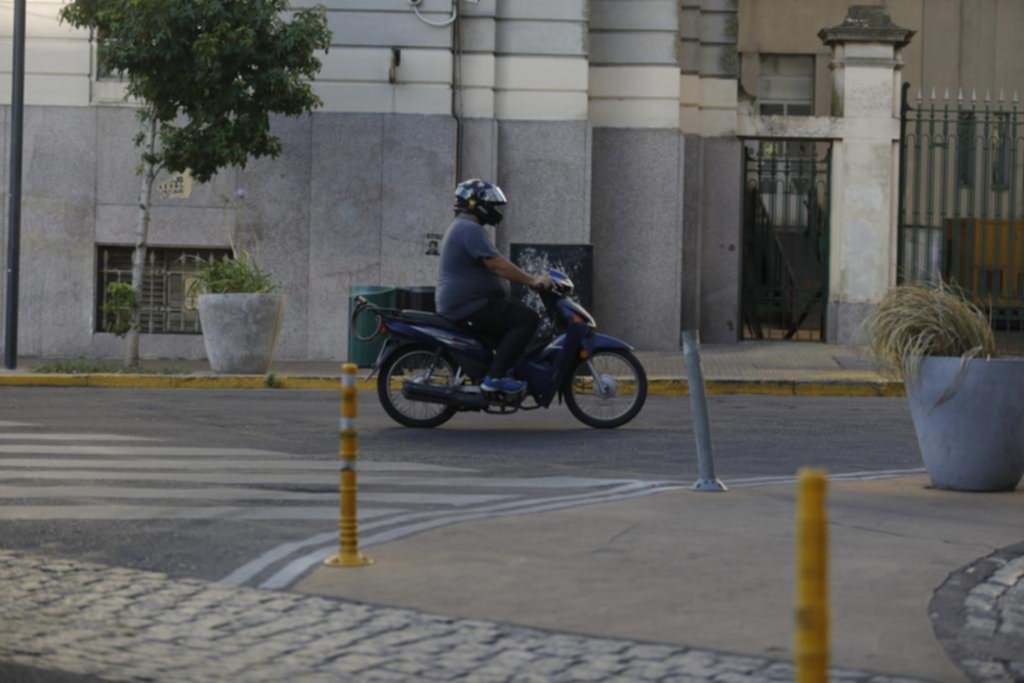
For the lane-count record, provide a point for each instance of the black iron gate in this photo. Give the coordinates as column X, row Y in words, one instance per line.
column 961, row 202
column 785, row 239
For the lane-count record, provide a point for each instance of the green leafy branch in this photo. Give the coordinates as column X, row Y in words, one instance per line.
column 118, row 307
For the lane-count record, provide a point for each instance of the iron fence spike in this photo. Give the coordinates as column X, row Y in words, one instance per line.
column 960, row 94
column 933, row 93
column 1001, row 98
column 988, row 96
column 974, row 94
column 1015, row 98
column 919, row 95
column 946, row 94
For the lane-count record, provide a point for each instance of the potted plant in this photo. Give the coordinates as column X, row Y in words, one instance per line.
column 966, row 404
column 240, row 314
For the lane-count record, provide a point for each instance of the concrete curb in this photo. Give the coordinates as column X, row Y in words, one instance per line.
column 656, row 387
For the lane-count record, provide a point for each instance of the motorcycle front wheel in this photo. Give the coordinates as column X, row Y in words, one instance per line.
column 416, row 365
column 607, row 389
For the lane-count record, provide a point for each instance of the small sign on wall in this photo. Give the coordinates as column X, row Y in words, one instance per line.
column 178, row 186
column 434, row 244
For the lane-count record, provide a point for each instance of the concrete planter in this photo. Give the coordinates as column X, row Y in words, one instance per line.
column 240, row 331
column 971, row 429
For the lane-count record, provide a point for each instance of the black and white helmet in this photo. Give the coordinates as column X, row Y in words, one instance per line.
column 482, row 199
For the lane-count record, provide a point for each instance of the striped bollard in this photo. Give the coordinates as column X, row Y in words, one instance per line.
column 348, row 525
column 811, row 644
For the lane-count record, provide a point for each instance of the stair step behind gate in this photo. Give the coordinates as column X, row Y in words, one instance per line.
column 785, row 239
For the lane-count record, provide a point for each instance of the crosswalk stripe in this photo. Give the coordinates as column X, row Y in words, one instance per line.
column 216, row 464
column 256, row 566
column 296, row 568
column 42, row 436
column 4, row 424
column 241, row 478
column 143, row 512
column 75, row 449
column 225, row 494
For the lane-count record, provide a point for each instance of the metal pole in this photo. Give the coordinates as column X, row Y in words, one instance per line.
column 699, row 405
column 14, row 188
column 348, row 529
column 811, row 640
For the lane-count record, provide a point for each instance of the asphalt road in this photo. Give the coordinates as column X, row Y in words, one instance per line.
column 240, row 485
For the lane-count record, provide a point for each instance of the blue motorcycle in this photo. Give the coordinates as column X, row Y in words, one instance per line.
column 430, row 367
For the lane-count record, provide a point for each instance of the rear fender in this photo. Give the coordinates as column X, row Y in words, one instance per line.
column 465, row 350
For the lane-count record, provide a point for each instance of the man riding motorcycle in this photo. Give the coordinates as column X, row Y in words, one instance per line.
column 473, row 282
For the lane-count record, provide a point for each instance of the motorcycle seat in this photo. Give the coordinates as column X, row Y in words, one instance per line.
column 433, row 319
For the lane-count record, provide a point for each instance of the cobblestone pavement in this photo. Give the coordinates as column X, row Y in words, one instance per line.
column 978, row 616
column 128, row 625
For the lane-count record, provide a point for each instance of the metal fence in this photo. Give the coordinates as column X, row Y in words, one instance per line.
column 785, row 239
column 961, row 201
column 168, row 304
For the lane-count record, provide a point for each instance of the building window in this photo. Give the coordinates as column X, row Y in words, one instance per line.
column 786, row 88
column 786, row 85
column 107, row 85
column 102, row 71
column 168, row 304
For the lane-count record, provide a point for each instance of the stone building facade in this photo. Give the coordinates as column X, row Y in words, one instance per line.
column 607, row 122
column 970, row 44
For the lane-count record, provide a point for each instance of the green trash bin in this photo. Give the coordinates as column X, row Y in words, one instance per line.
column 359, row 352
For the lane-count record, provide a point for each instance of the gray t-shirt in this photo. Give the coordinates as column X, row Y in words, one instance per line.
column 465, row 283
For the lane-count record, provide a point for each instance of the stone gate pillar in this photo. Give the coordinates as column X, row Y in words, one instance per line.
column 866, row 65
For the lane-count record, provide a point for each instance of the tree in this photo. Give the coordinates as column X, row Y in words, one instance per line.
column 207, row 75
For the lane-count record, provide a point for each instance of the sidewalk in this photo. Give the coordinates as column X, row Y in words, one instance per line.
column 715, row 571
column 780, row 368
column 680, row 586
column 93, row 622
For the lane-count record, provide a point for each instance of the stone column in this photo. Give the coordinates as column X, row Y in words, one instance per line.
column 866, row 64
column 473, row 100
column 689, row 66
column 637, row 171
column 540, row 104
column 713, row 192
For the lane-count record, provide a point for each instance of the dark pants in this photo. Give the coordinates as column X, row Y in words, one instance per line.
column 509, row 325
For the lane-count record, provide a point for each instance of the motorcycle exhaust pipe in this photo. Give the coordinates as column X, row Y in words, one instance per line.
column 445, row 395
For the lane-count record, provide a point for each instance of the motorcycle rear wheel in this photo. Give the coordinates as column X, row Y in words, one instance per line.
column 413, row 363
column 625, row 389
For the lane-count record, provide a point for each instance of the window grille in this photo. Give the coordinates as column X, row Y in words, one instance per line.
column 169, row 300
column 965, row 133
column 1001, row 152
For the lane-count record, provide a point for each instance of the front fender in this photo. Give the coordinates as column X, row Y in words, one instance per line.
column 597, row 341
column 591, row 343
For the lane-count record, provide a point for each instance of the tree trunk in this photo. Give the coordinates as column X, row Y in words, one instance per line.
column 131, row 349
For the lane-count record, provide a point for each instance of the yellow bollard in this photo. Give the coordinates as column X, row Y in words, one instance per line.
column 348, row 525
column 811, row 638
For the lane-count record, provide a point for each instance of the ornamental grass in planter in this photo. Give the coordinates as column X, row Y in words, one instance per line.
column 240, row 315
column 966, row 403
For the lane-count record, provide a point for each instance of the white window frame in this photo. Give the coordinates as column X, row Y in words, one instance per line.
column 786, row 103
column 107, row 89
